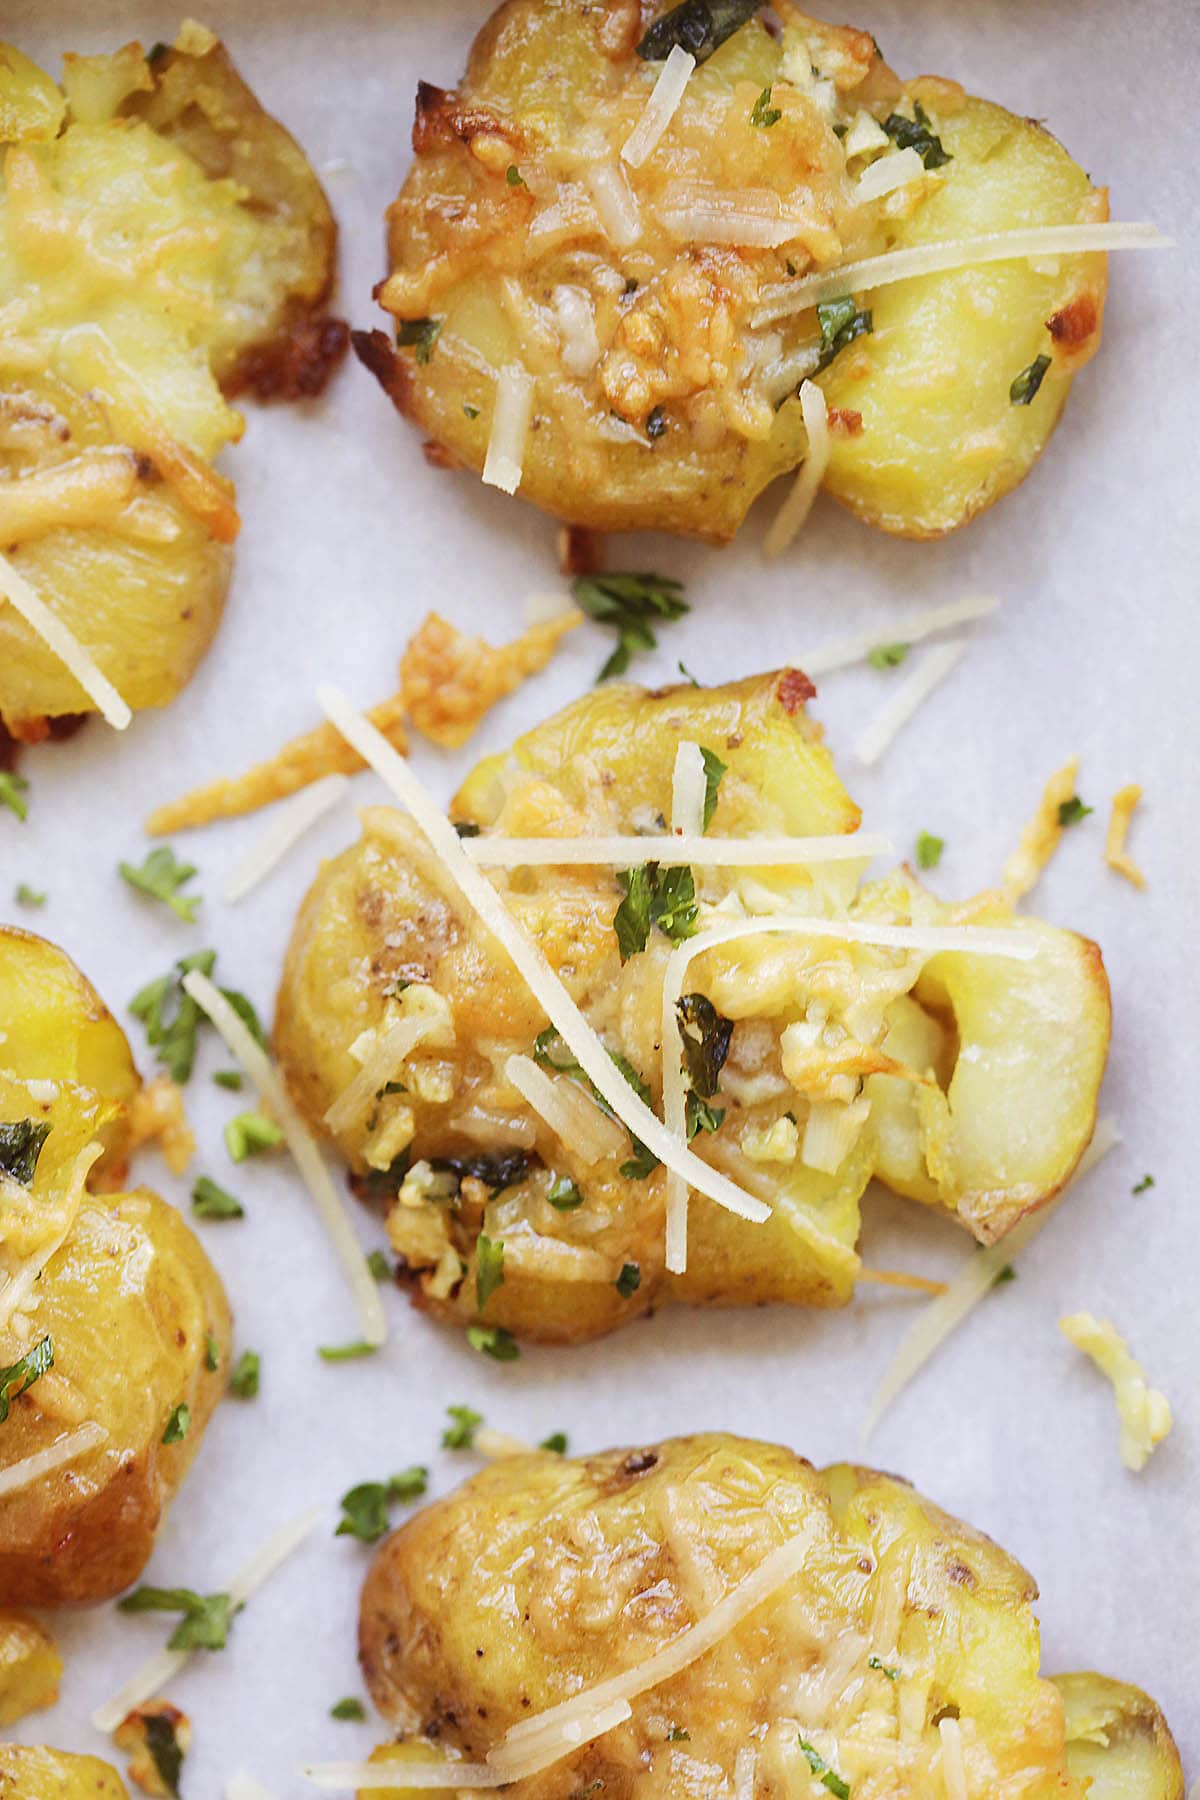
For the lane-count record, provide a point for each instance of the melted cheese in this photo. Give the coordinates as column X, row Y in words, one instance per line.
column 1145, row 1413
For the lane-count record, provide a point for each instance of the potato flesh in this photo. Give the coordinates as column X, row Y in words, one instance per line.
column 542, row 1577
column 133, row 1307
column 925, row 434
column 28, row 1773
column 182, row 223
column 30, row 1667
column 1118, row 1741
column 985, row 1077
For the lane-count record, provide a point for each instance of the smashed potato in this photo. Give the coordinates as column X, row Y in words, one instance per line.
column 968, row 1082
column 898, row 1645
column 27, row 1773
column 114, row 1328
column 645, row 297
column 30, row 1667
column 163, row 246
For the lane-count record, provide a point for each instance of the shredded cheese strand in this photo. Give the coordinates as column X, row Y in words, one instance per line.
column 890, row 172
column 796, row 508
column 700, row 852
column 1124, row 803
column 905, row 628
column 570, row 1113
column 295, row 816
column 155, row 1673
column 934, row 668
column 88, row 1436
column 527, row 958
column 689, row 785
column 660, row 108
column 975, row 1279
column 307, row 1157
column 20, row 1284
column 511, row 411
column 381, row 1066
column 1024, row 242
column 63, row 643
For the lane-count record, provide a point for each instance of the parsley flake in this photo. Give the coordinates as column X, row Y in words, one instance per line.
column 249, row 1134
column 513, row 176
column 556, row 1442
column 564, row 1196
column 349, row 1708
column 379, row 1265
column 21, row 1375
column 654, row 896
column 714, row 769
column 31, row 897
column 763, row 114
column 1004, row 1275
column 172, row 1018
column 212, row 1354
column 629, row 604
column 888, row 656
column 697, row 26
column 705, row 1036
column 339, row 1353
column 1025, row 385
column 917, row 134
column 420, row 335
column 160, row 877
column 365, row 1507
column 629, row 1280
column 494, row 1341
column 21, row 1144
column 489, row 1268
column 687, row 674
column 13, row 789
column 1071, row 811
column 243, row 1377
column 212, row 1202
column 460, row 1433
column 1140, row 1187
column 829, row 1778
column 206, row 1617
column 877, row 1662
column 229, row 1079
column 677, row 1735
column 179, row 1423
column 472, row 412
column 929, row 850
column 163, row 1748
column 841, row 321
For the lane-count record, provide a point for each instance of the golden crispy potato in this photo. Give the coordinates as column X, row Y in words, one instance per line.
column 965, row 1081
column 1118, row 1741
column 132, row 1310
column 641, row 298
column 30, row 1667
column 165, row 246
column 40, row 1774
column 903, row 1637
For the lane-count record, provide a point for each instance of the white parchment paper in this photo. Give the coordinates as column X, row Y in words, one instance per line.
column 349, row 537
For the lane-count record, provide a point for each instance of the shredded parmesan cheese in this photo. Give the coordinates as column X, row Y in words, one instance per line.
column 384, row 1062
column 307, row 1157
column 576, row 320
column 160, row 1668
column 1124, row 803
column 905, row 628
column 571, row 1114
column 750, row 218
column 796, row 508
column 616, row 204
column 688, row 788
column 974, row 1280
column 64, row 644
column 956, row 253
column 744, row 1765
column 700, row 852
column 22, row 1280
column 660, row 108
column 296, row 816
column 912, row 693
column 511, row 413
column 954, row 1768
column 1040, row 838
column 888, row 174
column 88, row 1436
column 1145, row 1413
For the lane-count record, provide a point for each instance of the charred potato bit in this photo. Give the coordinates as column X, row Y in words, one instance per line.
column 27, row 1773
column 156, row 1739
column 903, row 1633
column 631, row 294
column 164, row 245
column 966, row 1082
column 127, row 1299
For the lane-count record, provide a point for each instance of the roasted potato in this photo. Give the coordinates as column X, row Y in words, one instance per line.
column 647, row 301
column 133, row 1312
column 1118, row 1741
column 30, row 1667
column 40, row 1774
column 965, row 1081
column 163, row 245
column 899, row 1642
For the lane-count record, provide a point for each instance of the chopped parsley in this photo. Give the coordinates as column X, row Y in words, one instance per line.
column 494, row 1341
column 829, row 1778
column 705, row 1036
column 212, row 1354
column 229, row 1079
column 249, row 1134
column 243, row 1377
column 677, row 1735
column 629, row 1280
column 161, row 877
column 877, row 1662
column 1141, row 1186
column 763, row 113
column 179, row 1423
column 629, row 604
column 365, row 1507
column 420, row 335
column 472, row 412
column 557, row 1442
column 13, row 789
column 564, row 1196
column 206, row 1617
column 460, row 1433
column 888, row 656
column 656, row 422
column 1004, row 1275
column 929, row 850
column 379, row 1265
column 339, row 1353
column 22, row 1374
column 654, row 896
column 489, row 1268
column 172, row 1018
column 841, row 321
column 714, row 769
column 499, row 1170
column 1025, row 385
column 1071, row 811
column 21, row 1144
column 917, row 134
column 697, row 26
column 687, row 674
column 349, row 1708
column 513, row 176
column 701, row 1116
column 212, row 1202
column 29, row 896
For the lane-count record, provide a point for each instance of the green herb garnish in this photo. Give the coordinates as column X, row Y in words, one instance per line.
column 350, row 1708
column 249, row 1134
column 30, row 897
column 379, row 1265
column 888, row 656
column 13, row 789
column 339, row 1353
column 243, row 1377
column 829, row 1778
column 1140, row 1187
column 160, row 877
column 677, row 1735
column 206, row 1617
column 21, row 1143
column 917, row 134
column 365, row 1507
column 179, row 1423
column 687, row 674
column 763, row 113
column 929, row 850
column 628, row 603
column 494, row 1341
column 654, row 896
column 705, row 1036
column 877, row 1662
column 557, row 1442
column 22, row 1374
column 171, row 1016
column 420, row 335
column 460, row 1434
column 629, row 1280
column 232, row 1080
column 212, row 1354
column 841, row 321
column 164, row 1749
column 697, row 26
column 489, row 1268
column 714, row 769
column 1004, row 1275
column 513, row 176
column 564, row 1196
column 1071, row 811
column 1025, row 385
column 212, row 1202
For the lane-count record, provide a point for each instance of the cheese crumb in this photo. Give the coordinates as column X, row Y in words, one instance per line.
column 1124, row 802
column 1145, row 1413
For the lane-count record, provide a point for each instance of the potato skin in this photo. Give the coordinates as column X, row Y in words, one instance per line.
column 1118, row 1740
column 541, row 1577
column 28, row 1773
column 682, row 421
